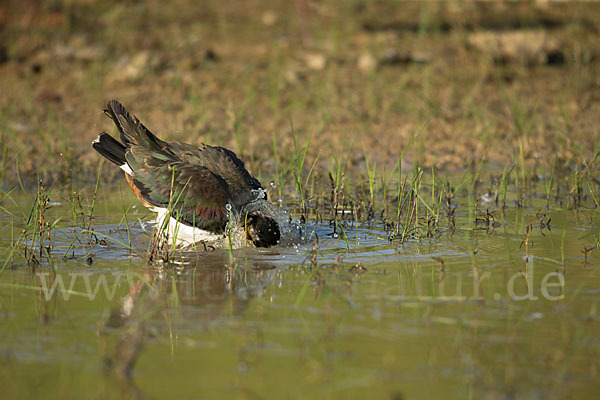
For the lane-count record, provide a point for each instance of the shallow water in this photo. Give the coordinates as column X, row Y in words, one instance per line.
column 470, row 313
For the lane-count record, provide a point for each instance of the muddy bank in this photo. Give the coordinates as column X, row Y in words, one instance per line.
column 443, row 84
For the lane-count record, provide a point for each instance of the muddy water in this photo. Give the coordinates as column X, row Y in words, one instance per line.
column 482, row 311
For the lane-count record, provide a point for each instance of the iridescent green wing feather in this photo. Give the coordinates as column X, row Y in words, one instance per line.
column 196, row 195
column 223, row 163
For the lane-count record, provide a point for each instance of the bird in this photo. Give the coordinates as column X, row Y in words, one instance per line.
column 198, row 192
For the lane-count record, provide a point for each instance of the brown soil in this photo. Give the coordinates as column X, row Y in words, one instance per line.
column 455, row 81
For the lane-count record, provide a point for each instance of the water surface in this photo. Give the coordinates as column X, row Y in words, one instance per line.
column 478, row 311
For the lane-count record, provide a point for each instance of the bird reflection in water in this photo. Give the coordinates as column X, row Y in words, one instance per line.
column 193, row 294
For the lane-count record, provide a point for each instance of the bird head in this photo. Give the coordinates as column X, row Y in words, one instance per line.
column 261, row 229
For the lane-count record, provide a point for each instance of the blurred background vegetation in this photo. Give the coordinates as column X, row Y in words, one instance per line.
column 444, row 83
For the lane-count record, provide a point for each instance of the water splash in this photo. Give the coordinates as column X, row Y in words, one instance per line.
column 259, row 194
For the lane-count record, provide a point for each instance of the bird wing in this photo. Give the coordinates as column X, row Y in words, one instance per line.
column 196, row 182
column 196, row 196
column 131, row 130
column 223, row 163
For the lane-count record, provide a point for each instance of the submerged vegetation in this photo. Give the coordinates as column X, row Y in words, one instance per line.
column 437, row 248
column 446, row 183
column 399, row 205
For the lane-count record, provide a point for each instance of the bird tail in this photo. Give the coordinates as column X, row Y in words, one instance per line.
column 110, row 148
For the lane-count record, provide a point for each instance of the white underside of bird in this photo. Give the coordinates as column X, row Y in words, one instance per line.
column 182, row 235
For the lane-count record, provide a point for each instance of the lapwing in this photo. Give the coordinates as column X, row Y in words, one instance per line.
column 199, row 193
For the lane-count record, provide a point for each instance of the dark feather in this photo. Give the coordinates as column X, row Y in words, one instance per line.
column 197, row 183
column 131, row 130
column 110, row 148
